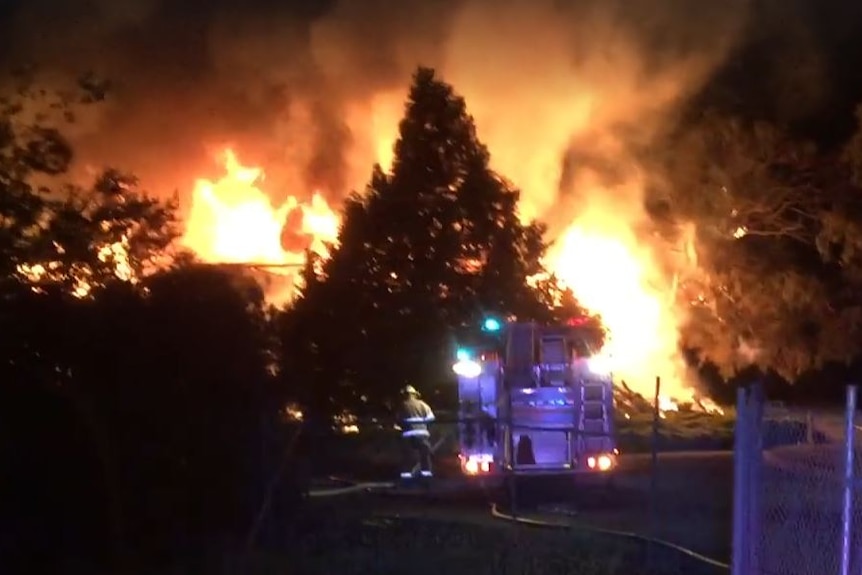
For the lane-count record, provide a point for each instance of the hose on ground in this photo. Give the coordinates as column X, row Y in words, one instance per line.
column 352, row 488
column 497, row 514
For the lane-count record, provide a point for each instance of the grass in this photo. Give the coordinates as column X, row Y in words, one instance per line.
column 678, row 431
column 431, row 547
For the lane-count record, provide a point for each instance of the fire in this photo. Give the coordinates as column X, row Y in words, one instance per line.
column 599, row 256
column 233, row 221
column 116, row 255
column 615, row 274
column 611, row 270
column 610, row 274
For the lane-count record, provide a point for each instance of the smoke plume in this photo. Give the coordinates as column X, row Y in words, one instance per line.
column 290, row 84
column 313, row 91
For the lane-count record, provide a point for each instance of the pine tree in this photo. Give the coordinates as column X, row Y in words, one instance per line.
column 429, row 248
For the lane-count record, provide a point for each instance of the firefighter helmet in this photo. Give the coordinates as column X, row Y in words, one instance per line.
column 409, row 390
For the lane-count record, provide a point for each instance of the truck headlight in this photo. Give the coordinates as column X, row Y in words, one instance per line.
column 467, row 368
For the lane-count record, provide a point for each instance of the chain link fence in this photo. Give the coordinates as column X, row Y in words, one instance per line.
column 794, row 500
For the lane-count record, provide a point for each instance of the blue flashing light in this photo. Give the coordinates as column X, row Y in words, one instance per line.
column 462, row 354
column 491, row 324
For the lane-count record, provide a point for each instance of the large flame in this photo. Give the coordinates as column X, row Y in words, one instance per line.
column 610, row 269
column 599, row 256
column 616, row 276
column 233, row 221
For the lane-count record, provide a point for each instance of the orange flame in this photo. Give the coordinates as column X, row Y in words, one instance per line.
column 598, row 256
column 233, row 221
column 611, row 275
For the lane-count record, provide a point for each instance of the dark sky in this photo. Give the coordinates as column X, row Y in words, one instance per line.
column 800, row 64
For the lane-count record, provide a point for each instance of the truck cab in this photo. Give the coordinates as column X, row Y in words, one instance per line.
column 535, row 400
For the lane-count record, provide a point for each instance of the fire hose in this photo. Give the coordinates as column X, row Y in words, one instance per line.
column 496, row 513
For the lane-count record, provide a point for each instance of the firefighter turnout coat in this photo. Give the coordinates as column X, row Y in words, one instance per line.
column 415, row 415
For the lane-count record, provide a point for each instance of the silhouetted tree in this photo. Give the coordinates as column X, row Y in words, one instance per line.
column 182, row 372
column 428, row 248
column 150, row 377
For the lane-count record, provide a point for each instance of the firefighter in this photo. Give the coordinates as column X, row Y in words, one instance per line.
column 414, row 416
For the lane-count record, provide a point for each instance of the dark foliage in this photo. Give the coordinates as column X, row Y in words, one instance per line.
column 139, row 414
column 771, row 224
column 427, row 249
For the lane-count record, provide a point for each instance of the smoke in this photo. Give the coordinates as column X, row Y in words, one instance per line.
column 570, row 99
column 291, row 84
column 558, row 91
column 313, row 92
column 299, row 88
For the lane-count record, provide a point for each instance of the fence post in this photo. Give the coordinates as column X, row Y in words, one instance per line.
column 740, row 485
column 654, row 468
column 757, row 402
column 510, row 445
column 847, row 507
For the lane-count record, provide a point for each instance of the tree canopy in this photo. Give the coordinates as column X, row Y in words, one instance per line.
column 56, row 233
column 427, row 249
column 776, row 275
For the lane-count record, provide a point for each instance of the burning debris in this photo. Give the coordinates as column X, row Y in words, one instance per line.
column 631, row 403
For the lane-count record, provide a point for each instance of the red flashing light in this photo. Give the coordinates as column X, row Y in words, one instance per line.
column 577, row 321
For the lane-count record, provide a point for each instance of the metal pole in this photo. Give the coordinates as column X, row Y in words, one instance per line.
column 654, row 467
column 513, row 458
column 740, row 487
column 757, row 402
column 847, row 509
column 809, row 427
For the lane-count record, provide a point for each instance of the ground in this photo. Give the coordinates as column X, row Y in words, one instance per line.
column 685, row 499
column 369, row 534
column 689, row 503
column 451, row 528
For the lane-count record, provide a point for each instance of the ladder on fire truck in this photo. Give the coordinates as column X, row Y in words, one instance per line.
column 518, row 373
column 555, row 361
column 594, row 420
column 521, row 356
column 594, row 416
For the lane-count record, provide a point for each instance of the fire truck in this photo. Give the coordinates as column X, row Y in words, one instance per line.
column 534, row 400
